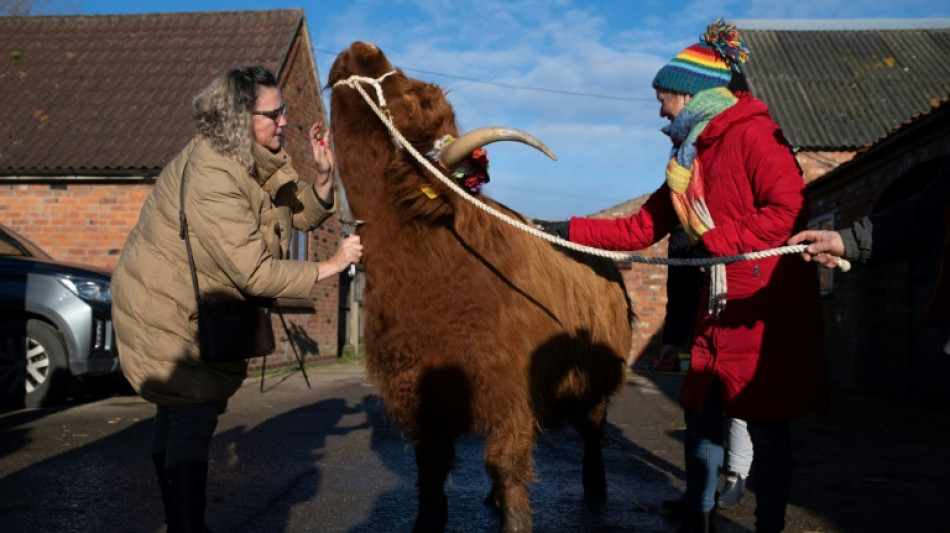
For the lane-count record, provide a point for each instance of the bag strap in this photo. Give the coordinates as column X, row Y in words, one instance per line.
column 183, row 223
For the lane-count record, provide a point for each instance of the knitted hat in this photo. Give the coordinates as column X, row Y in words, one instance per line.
column 706, row 64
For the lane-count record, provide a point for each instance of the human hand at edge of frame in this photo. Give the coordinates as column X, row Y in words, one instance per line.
column 824, row 247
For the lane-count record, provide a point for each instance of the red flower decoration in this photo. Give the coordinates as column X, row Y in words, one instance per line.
column 472, row 173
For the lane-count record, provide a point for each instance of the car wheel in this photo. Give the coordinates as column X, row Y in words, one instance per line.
column 33, row 366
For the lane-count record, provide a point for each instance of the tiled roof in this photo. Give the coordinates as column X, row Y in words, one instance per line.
column 112, row 94
column 845, row 89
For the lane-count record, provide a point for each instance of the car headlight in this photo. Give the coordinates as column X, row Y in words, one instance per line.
column 87, row 288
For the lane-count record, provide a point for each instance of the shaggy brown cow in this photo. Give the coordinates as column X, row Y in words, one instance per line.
column 472, row 326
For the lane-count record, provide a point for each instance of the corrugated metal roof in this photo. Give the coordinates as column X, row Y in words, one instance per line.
column 843, row 90
column 89, row 94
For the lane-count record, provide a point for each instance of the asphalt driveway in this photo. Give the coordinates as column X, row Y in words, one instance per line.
column 299, row 459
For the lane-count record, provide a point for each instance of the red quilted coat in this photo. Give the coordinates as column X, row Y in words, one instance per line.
column 767, row 347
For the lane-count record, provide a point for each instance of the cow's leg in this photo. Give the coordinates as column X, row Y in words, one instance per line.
column 508, row 461
column 435, row 455
column 591, row 430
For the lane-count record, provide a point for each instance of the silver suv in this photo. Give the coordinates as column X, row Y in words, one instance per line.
column 55, row 323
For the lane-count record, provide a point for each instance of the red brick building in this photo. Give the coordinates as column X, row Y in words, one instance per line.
column 874, row 340
column 98, row 104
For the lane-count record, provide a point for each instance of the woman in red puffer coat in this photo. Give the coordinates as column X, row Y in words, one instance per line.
column 766, row 345
column 757, row 353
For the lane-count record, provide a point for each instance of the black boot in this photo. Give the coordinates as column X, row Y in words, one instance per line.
column 676, row 507
column 158, row 459
column 187, row 483
column 696, row 522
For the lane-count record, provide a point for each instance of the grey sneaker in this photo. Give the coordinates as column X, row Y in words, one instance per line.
column 732, row 491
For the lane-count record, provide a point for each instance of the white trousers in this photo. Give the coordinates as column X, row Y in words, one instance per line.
column 738, row 447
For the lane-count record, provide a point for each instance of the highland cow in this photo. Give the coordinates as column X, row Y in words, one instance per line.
column 472, row 325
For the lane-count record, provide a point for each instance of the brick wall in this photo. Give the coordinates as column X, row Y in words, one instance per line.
column 646, row 286
column 818, row 163
column 76, row 222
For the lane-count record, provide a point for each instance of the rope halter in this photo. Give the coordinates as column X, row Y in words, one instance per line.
column 381, row 110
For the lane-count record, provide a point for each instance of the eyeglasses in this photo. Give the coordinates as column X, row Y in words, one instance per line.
column 273, row 115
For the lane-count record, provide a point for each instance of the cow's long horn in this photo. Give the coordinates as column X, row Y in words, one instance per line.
column 453, row 153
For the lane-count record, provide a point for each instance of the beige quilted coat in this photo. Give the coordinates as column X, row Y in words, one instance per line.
column 240, row 229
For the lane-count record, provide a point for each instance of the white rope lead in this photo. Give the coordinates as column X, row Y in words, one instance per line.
column 400, row 141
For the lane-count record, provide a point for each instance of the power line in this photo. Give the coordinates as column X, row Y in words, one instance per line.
column 516, row 87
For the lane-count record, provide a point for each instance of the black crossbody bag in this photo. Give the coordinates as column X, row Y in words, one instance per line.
column 227, row 331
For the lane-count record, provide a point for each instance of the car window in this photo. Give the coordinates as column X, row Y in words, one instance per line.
column 12, row 243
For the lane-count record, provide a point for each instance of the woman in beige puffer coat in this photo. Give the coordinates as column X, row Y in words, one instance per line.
column 243, row 199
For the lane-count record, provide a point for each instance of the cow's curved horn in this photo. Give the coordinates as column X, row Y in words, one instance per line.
column 453, row 153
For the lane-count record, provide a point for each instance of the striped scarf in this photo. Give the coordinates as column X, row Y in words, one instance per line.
column 684, row 176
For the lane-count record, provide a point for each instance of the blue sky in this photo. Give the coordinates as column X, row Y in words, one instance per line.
column 576, row 74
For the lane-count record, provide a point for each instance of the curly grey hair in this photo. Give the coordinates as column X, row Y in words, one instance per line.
column 223, row 111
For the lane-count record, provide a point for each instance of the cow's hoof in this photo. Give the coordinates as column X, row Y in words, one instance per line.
column 517, row 522
column 429, row 523
column 595, row 483
column 433, row 514
column 596, row 493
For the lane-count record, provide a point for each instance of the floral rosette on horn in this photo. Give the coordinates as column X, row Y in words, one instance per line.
column 472, row 172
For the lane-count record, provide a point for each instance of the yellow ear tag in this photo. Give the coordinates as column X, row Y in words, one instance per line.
column 430, row 193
